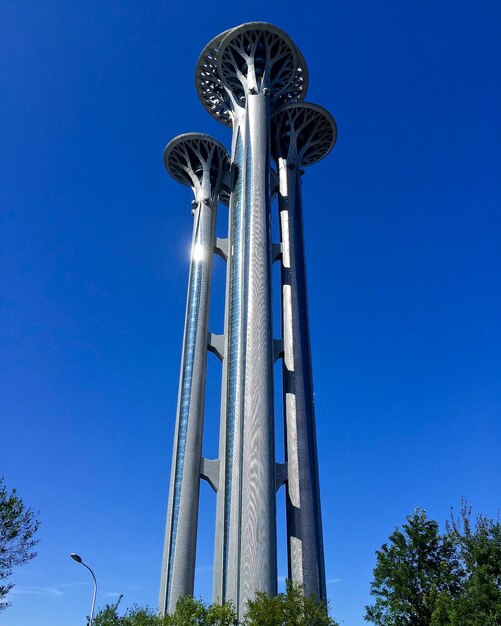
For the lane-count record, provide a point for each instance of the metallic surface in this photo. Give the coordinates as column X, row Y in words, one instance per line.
column 257, row 558
column 255, row 57
column 255, row 63
column 215, row 97
column 254, row 79
column 296, row 91
column 198, row 161
column 78, row 559
column 227, row 507
column 302, row 134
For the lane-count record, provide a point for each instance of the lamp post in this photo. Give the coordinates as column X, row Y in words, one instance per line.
column 78, row 559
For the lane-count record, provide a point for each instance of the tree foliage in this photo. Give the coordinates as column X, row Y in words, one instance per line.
column 423, row 578
column 413, row 572
column 479, row 548
column 189, row 612
column 291, row 608
column 134, row 616
column 193, row 612
column 18, row 526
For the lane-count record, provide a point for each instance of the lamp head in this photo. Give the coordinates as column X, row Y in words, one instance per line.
column 75, row 557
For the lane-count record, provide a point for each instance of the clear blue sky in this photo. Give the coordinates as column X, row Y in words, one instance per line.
column 403, row 249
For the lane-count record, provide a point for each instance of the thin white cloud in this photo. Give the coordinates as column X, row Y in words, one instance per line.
column 37, row 591
column 204, row 568
column 50, row 591
column 112, row 594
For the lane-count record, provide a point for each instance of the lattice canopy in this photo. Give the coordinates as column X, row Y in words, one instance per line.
column 296, row 91
column 257, row 56
column 192, row 156
column 302, row 133
column 211, row 91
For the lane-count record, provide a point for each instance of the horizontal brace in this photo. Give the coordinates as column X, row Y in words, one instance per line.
column 215, row 344
column 278, row 349
column 276, row 251
column 274, row 183
column 221, row 248
column 209, row 471
column 281, row 475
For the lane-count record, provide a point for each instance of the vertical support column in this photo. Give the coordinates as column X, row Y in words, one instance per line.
column 241, row 74
column 191, row 159
column 244, row 71
column 258, row 519
column 303, row 133
column 181, row 528
column 245, row 559
column 227, row 108
column 228, row 497
column 304, row 520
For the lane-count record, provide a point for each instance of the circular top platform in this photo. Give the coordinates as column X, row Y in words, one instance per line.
column 302, row 133
column 189, row 156
column 210, row 89
column 257, row 56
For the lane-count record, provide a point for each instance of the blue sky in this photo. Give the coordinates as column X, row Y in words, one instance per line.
column 402, row 230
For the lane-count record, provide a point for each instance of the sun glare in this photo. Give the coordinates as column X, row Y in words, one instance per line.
column 198, row 252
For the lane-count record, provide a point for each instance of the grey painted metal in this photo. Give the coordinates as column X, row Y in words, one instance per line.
column 216, row 345
column 243, row 77
column 78, row 559
column 221, row 248
column 240, row 75
column 230, row 397
column 281, row 475
column 278, row 349
column 302, row 134
column 216, row 98
column 296, row 91
column 257, row 557
column 198, row 161
column 209, row 471
column 255, row 63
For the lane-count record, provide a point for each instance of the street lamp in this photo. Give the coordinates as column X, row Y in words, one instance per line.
column 78, row 559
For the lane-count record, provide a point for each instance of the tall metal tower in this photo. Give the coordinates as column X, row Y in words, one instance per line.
column 252, row 78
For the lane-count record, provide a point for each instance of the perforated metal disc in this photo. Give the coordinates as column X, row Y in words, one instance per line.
column 255, row 56
column 303, row 132
column 210, row 89
column 296, row 92
column 186, row 156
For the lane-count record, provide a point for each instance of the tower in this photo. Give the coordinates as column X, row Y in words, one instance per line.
column 252, row 78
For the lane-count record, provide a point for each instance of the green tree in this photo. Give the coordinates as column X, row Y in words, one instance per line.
column 221, row 615
column 414, row 572
column 479, row 549
column 108, row 616
column 292, row 608
column 189, row 612
column 18, row 526
column 134, row 616
column 138, row 616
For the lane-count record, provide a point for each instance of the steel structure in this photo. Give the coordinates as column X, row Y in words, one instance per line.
column 253, row 79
